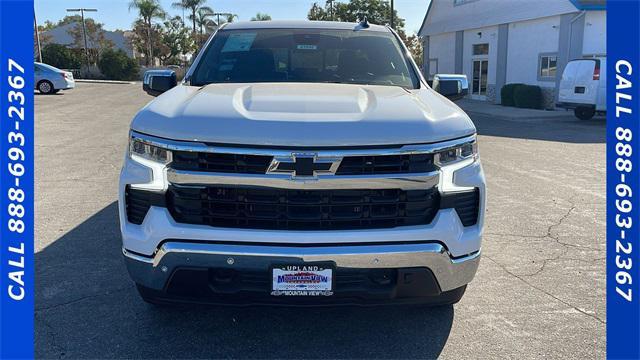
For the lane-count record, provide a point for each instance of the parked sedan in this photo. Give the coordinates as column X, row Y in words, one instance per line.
column 50, row 80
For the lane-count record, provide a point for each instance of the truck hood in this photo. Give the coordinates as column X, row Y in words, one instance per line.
column 302, row 114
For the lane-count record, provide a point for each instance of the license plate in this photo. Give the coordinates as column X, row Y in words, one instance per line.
column 302, row 280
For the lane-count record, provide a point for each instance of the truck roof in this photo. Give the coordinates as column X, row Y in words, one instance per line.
column 301, row 24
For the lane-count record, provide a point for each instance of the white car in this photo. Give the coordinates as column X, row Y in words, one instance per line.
column 50, row 80
column 302, row 163
column 583, row 87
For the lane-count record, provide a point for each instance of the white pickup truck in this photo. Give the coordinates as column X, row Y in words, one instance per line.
column 302, row 163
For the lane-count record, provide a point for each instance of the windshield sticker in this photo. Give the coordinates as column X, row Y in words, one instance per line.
column 225, row 67
column 307, row 47
column 239, row 42
column 227, row 64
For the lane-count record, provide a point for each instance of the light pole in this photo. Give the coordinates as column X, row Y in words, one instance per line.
column 84, row 29
column 330, row 2
column 392, row 15
column 35, row 24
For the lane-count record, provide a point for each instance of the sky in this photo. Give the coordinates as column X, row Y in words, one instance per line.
column 115, row 14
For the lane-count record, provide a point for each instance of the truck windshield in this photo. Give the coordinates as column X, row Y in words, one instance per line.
column 304, row 55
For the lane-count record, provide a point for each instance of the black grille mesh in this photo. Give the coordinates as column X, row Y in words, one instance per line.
column 270, row 208
column 283, row 209
column 258, row 164
column 138, row 203
column 466, row 203
column 386, row 164
column 224, row 163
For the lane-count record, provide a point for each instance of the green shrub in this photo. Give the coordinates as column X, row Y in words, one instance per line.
column 506, row 94
column 116, row 65
column 528, row 96
column 60, row 56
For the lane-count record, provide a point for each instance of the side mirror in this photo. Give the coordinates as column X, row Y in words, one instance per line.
column 155, row 82
column 453, row 86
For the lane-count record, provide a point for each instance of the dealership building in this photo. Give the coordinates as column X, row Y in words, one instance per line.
column 497, row 42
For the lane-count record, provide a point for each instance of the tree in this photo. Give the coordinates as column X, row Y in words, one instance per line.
column 145, row 37
column 414, row 45
column 317, row 13
column 175, row 40
column 69, row 19
column 230, row 18
column 60, row 56
column 204, row 19
column 377, row 12
column 116, row 65
column 191, row 5
column 44, row 40
column 148, row 10
column 96, row 41
column 261, row 17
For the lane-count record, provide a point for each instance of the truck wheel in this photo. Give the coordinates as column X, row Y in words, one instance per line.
column 45, row 87
column 584, row 113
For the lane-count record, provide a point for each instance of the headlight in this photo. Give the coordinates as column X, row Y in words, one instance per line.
column 453, row 155
column 147, row 151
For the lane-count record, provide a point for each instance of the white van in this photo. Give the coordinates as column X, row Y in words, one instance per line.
column 583, row 87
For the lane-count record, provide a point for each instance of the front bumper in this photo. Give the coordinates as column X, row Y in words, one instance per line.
column 159, row 249
column 443, row 273
column 571, row 106
column 64, row 84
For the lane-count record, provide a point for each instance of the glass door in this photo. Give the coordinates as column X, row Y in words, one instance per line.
column 479, row 80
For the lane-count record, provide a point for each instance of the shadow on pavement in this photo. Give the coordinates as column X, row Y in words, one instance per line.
column 87, row 307
column 570, row 130
column 41, row 94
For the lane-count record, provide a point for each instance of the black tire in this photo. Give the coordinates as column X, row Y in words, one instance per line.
column 451, row 297
column 46, row 87
column 151, row 296
column 584, row 113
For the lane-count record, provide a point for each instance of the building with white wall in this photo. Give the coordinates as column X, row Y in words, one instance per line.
column 498, row 42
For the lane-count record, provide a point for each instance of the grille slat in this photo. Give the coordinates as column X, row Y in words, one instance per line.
column 218, row 162
column 466, row 204
column 137, row 205
column 284, row 209
column 386, row 164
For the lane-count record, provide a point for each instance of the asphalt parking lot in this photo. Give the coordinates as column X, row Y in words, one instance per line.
column 539, row 291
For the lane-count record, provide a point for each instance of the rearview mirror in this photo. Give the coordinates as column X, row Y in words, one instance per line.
column 453, row 86
column 155, row 82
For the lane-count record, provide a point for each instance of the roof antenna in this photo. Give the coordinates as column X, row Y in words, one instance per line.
column 362, row 19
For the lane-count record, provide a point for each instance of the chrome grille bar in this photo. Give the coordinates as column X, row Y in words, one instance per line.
column 419, row 181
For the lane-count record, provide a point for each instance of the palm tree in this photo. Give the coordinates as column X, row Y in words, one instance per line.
column 203, row 18
column 261, row 17
column 193, row 6
column 230, row 17
column 148, row 10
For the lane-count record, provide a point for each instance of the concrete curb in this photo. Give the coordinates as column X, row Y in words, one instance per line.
column 104, row 81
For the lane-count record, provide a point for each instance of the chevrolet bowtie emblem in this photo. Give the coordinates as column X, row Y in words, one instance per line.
column 305, row 165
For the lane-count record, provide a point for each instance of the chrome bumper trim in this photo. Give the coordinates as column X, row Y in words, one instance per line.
column 418, row 181
column 154, row 271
